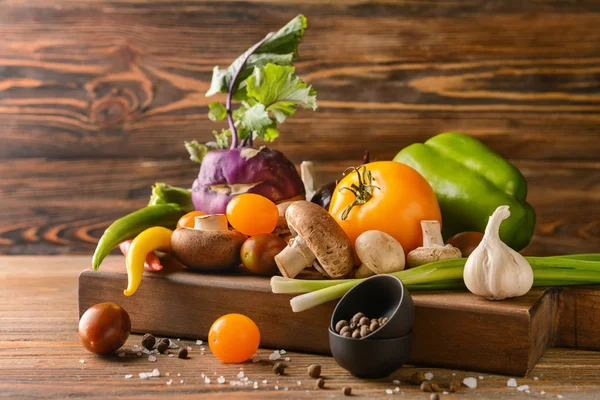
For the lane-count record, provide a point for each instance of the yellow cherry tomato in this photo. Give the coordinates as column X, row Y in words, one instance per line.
column 233, row 338
column 252, row 214
column 188, row 220
column 387, row 196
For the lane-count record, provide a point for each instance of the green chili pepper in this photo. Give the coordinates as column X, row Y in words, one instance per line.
column 470, row 182
column 131, row 225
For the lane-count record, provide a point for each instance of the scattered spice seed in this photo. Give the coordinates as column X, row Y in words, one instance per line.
column 148, row 341
column 417, row 378
column 455, row 385
column 320, row 383
column 162, row 347
column 347, row 390
column 314, row 370
column 278, row 369
column 425, row 387
column 182, row 353
column 435, row 387
column 434, row 396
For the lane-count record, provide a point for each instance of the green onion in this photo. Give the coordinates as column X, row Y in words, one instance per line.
column 579, row 269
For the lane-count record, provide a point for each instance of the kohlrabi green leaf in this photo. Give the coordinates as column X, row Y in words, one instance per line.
column 216, row 111
column 280, row 90
column 197, row 150
column 256, row 119
column 222, row 138
column 281, row 48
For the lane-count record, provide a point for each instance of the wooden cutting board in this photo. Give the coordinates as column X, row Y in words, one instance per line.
column 452, row 329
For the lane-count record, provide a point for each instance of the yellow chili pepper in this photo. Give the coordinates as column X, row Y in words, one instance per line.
column 155, row 238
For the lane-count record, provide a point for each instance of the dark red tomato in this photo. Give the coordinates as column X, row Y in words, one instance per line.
column 258, row 253
column 466, row 242
column 104, row 328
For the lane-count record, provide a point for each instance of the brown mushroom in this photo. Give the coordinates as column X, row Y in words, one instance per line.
column 209, row 246
column 379, row 253
column 317, row 237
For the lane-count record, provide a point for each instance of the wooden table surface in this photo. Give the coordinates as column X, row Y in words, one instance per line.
column 40, row 356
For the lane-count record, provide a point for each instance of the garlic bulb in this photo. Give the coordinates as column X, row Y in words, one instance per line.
column 494, row 270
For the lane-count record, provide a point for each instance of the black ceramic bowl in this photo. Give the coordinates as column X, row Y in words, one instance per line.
column 379, row 296
column 370, row 358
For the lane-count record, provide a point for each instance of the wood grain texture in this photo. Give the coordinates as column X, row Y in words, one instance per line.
column 40, row 353
column 97, row 97
column 443, row 320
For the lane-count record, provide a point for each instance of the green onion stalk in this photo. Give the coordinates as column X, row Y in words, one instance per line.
column 579, row 269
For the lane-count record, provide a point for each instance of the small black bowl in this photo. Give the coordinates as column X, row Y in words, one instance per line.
column 370, row 358
column 378, row 296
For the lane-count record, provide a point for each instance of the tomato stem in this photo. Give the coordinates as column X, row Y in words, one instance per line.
column 363, row 191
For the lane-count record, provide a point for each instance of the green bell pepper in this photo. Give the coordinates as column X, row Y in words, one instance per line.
column 470, row 182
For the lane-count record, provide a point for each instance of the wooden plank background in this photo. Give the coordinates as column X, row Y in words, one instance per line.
column 98, row 96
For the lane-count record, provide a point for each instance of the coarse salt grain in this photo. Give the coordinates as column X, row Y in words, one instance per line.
column 287, row 359
column 202, row 348
column 121, row 354
column 255, row 386
column 135, row 346
column 221, row 380
column 480, row 376
column 542, row 392
column 454, row 374
column 559, row 396
column 145, row 375
column 255, row 358
column 470, row 382
column 397, row 389
column 139, row 353
column 287, row 388
column 128, row 376
column 527, row 391
column 535, row 378
column 264, row 381
column 188, row 348
column 171, row 355
column 199, row 342
column 152, row 358
column 389, row 391
column 81, row 361
column 169, row 381
column 207, row 380
column 396, row 382
column 445, row 393
column 146, row 351
column 178, row 374
column 181, row 381
column 428, row 376
column 282, row 351
column 240, row 374
column 274, row 356
column 155, row 372
column 522, row 387
column 178, row 339
column 276, row 388
column 167, row 373
column 172, row 345
column 299, row 383
column 512, row 382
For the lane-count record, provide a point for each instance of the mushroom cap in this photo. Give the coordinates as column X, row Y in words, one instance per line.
column 323, row 236
column 207, row 250
column 380, row 252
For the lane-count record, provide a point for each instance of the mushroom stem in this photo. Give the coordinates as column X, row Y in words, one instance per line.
column 432, row 233
column 294, row 258
column 216, row 222
column 363, row 272
column 307, row 173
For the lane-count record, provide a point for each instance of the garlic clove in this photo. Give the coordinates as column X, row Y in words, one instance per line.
column 494, row 270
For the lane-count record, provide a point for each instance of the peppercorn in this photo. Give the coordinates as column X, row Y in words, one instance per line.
column 345, row 329
column 162, row 347
column 340, row 325
column 182, row 353
column 347, row 334
column 435, row 387
column 364, row 321
column 347, row 390
column 374, row 326
column 148, row 341
column 455, row 385
column 279, row 369
column 417, row 378
column 434, row 396
column 364, row 331
column 314, row 370
column 358, row 316
column 320, row 383
column 354, row 325
column 356, row 334
column 426, row 387
column 384, row 320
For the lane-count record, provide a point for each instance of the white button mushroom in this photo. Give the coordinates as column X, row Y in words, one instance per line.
column 433, row 248
column 317, row 238
column 379, row 253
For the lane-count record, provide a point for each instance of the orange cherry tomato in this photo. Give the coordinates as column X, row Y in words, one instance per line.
column 233, row 338
column 466, row 242
column 388, row 196
column 188, row 220
column 252, row 214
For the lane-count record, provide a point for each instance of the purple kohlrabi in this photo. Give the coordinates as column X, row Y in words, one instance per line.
column 225, row 174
